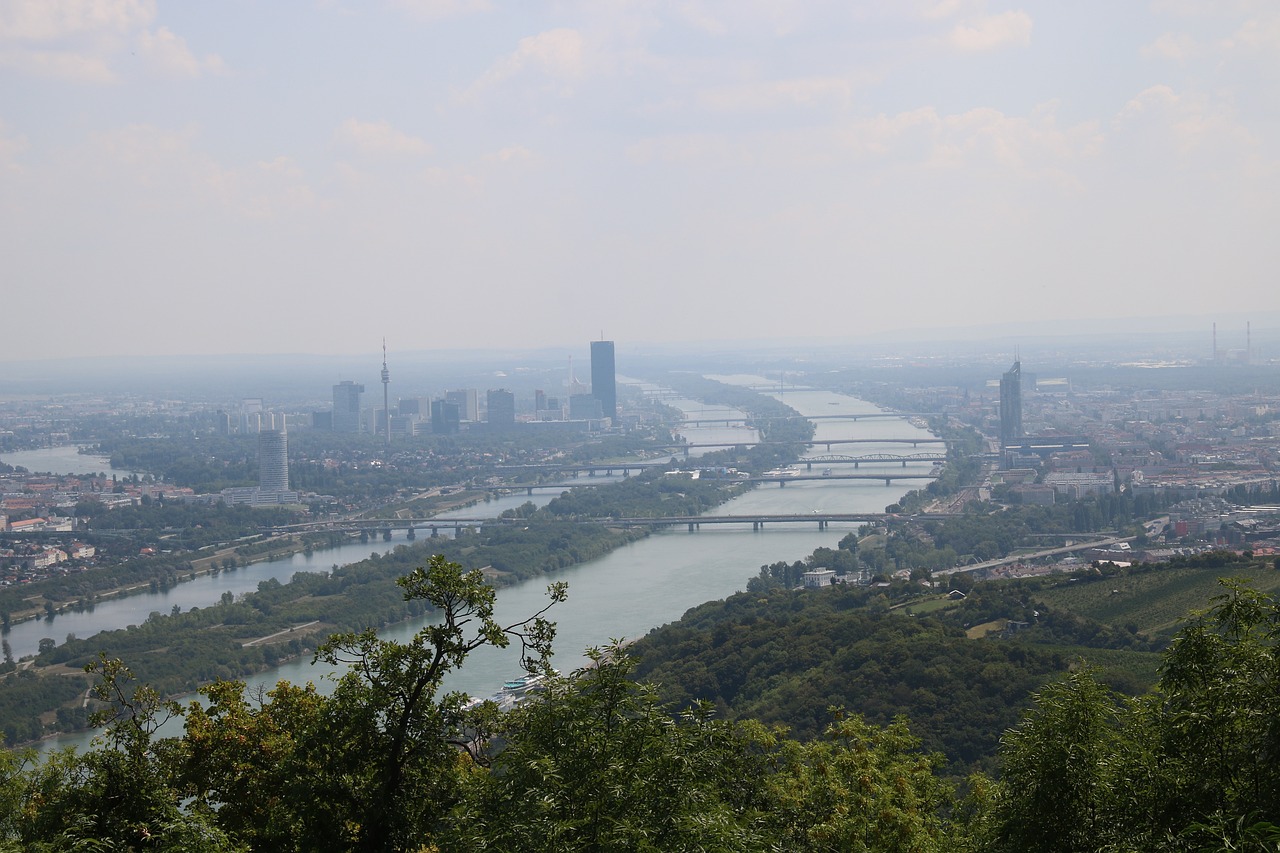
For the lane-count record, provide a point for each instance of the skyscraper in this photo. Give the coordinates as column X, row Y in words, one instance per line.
column 251, row 415
column 467, row 402
column 346, row 406
column 604, row 385
column 502, row 410
column 1011, row 404
column 273, row 460
column 444, row 417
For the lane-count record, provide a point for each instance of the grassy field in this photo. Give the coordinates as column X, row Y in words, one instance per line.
column 1128, row 672
column 1157, row 602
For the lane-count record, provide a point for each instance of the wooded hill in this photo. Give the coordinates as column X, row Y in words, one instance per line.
column 790, row 656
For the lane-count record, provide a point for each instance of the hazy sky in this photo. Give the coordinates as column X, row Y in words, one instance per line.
column 279, row 176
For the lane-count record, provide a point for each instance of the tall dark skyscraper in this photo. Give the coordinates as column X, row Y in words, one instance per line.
column 346, row 406
column 604, row 385
column 1011, row 404
column 502, row 410
column 444, row 417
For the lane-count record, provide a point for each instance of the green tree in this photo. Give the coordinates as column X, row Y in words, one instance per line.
column 597, row 763
column 253, row 766
column 1220, row 716
column 121, row 794
column 375, row 766
column 1191, row 766
column 1058, row 780
column 859, row 788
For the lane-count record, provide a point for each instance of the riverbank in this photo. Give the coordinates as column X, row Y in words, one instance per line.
column 226, row 558
column 177, row 652
column 638, row 585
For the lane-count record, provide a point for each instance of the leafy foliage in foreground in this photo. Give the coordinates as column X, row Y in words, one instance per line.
column 1191, row 766
column 598, row 762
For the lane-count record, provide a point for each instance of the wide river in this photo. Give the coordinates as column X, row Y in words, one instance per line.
column 65, row 459
column 621, row 595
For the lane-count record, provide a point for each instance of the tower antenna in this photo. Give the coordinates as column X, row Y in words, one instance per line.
column 386, row 380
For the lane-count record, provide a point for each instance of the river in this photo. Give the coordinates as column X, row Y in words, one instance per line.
column 64, row 460
column 651, row 582
column 24, row 637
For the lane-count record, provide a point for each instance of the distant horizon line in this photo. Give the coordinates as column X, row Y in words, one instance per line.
column 1041, row 330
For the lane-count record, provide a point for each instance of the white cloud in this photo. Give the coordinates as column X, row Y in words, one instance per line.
column 992, row 32
column 80, row 40
column 982, row 141
column 1154, row 96
column 1176, row 46
column 1261, row 35
column 556, row 53
column 169, row 53
column 62, row 65
column 1195, row 129
column 514, row 154
column 161, row 169
column 378, row 137
column 48, row 20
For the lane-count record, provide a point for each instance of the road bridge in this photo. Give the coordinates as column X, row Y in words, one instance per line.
column 693, row 522
column 783, row 479
column 1103, row 542
column 694, row 419
column 828, row 443
column 608, row 468
column 625, row 468
column 869, row 459
column 763, row 478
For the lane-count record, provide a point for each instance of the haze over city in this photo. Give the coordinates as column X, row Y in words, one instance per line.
column 309, row 177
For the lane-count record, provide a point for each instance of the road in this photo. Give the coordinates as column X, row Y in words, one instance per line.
column 1035, row 555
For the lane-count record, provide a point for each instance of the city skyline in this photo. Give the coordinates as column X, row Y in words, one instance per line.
column 788, row 171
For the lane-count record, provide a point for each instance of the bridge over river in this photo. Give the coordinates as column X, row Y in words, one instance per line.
column 433, row 526
column 828, row 443
column 625, row 468
column 693, row 419
column 780, row 479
